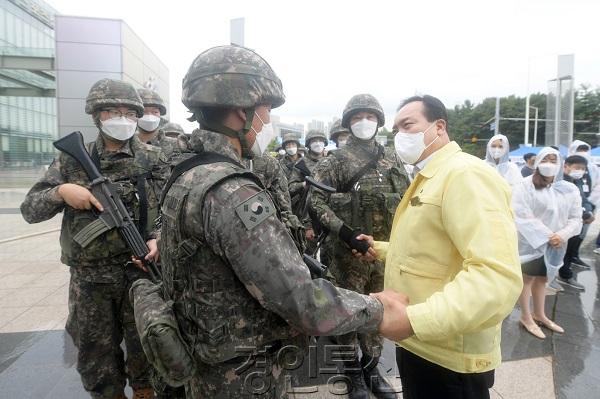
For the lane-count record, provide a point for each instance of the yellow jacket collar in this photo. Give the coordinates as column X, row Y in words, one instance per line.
column 439, row 159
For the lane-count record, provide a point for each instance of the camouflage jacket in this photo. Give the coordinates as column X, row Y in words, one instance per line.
column 171, row 147
column 234, row 272
column 271, row 173
column 369, row 205
column 104, row 257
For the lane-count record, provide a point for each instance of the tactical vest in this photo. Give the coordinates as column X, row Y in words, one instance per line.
column 108, row 248
column 370, row 204
column 217, row 316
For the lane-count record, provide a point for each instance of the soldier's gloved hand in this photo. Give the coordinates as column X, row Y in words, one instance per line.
column 349, row 236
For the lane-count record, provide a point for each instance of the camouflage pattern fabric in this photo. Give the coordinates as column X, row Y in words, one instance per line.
column 172, row 127
column 107, row 93
column 99, row 311
column 170, row 147
column 362, row 102
column 150, row 98
column 377, row 192
column 248, row 287
column 231, row 76
column 273, row 178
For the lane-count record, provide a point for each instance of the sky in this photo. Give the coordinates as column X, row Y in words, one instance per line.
column 324, row 52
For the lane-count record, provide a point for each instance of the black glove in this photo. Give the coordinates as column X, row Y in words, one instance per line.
column 349, row 237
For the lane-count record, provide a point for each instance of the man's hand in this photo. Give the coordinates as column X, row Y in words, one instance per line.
column 395, row 324
column 371, row 254
column 555, row 240
column 153, row 255
column 78, row 197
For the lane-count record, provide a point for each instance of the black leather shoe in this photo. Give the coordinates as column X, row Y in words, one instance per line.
column 374, row 380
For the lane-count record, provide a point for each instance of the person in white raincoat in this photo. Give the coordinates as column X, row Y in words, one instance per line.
column 497, row 157
column 547, row 213
column 582, row 148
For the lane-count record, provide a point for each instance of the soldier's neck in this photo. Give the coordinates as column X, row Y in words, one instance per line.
column 146, row 137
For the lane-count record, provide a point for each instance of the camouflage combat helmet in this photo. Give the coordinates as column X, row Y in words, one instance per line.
column 336, row 130
column 231, row 76
column 150, row 98
column 290, row 137
column 113, row 93
column 359, row 103
column 172, row 127
column 315, row 134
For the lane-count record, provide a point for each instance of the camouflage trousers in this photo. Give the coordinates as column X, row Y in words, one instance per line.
column 100, row 318
column 253, row 376
column 362, row 277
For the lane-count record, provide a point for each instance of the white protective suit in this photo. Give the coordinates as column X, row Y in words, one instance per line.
column 540, row 213
column 592, row 170
column 507, row 169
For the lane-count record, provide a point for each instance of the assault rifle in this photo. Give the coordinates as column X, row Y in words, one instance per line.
column 115, row 214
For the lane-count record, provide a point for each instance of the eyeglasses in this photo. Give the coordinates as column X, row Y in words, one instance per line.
column 115, row 113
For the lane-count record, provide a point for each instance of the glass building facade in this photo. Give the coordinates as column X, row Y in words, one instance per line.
column 28, row 111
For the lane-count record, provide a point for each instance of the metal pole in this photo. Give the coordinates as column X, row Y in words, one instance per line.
column 557, row 115
column 497, row 117
column 526, row 136
column 535, row 127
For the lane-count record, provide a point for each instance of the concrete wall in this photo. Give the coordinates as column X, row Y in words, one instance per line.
column 89, row 49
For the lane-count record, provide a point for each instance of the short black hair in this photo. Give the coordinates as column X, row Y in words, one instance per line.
column 528, row 156
column 211, row 115
column 555, row 147
column 583, row 147
column 433, row 108
column 576, row 159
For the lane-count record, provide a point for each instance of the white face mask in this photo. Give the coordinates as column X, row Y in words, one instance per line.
column 410, row 146
column 263, row 138
column 342, row 143
column 496, row 152
column 317, row 147
column 281, row 152
column 291, row 150
column 149, row 122
column 364, row 129
column 576, row 174
column 548, row 169
column 120, row 128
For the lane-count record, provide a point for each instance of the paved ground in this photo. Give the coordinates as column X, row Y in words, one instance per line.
column 37, row 358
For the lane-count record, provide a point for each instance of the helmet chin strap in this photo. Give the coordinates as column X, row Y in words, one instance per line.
column 229, row 132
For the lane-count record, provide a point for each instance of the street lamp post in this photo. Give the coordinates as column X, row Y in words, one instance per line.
column 535, row 125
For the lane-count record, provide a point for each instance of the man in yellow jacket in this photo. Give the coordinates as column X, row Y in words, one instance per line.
column 453, row 252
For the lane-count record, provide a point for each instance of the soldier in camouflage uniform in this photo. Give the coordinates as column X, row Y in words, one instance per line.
column 100, row 314
column 291, row 145
column 148, row 125
column 174, row 130
column 239, row 286
column 273, row 178
column 370, row 182
column 339, row 134
column 315, row 143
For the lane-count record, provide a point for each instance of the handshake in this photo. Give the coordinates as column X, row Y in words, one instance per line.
column 395, row 324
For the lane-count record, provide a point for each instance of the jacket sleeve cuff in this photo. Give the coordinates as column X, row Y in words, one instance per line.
column 381, row 247
column 53, row 197
column 422, row 322
column 374, row 310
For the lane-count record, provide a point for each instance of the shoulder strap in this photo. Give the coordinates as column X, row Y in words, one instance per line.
column 373, row 159
column 203, row 158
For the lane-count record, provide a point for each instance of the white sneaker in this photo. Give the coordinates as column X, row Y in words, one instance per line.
column 597, row 251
